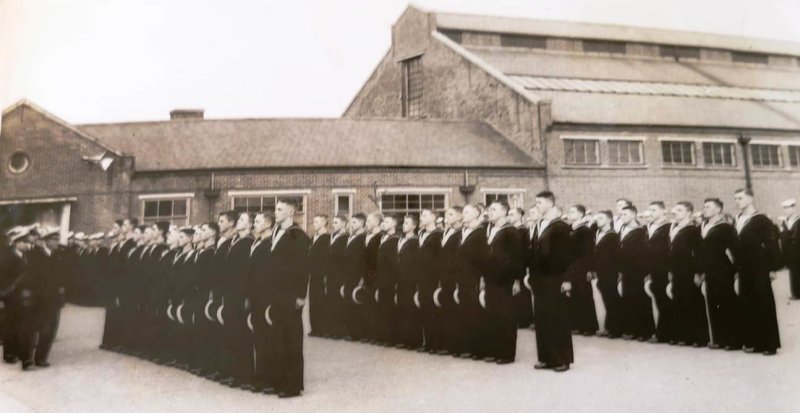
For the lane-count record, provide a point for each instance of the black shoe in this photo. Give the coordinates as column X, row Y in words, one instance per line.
column 749, row 350
column 542, row 366
column 27, row 366
column 10, row 360
column 475, row 357
column 770, row 352
column 288, row 395
column 42, row 364
column 733, row 348
column 267, row 390
column 504, row 361
column 714, row 346
column 561, row 369
column 228, row 381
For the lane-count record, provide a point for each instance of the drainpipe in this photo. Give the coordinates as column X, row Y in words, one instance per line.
column 744, row 141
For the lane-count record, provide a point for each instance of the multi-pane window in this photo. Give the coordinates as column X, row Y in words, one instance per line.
column 454, row 35
column 174, row 211
column 719, row 154
column 677, row 152
column 580, row 152
column 401, row 204
column 529, row 42
column 794, row 156
column 343, row 205
column 602, row 46
column 268, row 203
column 679, row 52
column 412, row 87
column 514, row 199
column 746, row 57
column 625, row 152
column 766, row 156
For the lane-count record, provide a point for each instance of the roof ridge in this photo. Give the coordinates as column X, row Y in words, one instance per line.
column 655, row 83
column 341, row 119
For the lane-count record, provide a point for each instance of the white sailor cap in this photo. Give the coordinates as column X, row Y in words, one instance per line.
column 80, row 236
column 96, row 236
column 46, row 232
column 70, row 235
column 110, row 234
column 789, row 203
column 17, row 232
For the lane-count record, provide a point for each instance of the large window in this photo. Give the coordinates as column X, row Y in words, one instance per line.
column 794, row 156
column 343, row 202
column 625, row 152
column 747, row 57
column 766, row 156
column 528, row 42
column 412, row 87
column 719, row 154
column 255, row 201
column 677, row 152
column 581, row 152
column 514, row 198
column 175, row 210
column 603, row 46
column 412, row 203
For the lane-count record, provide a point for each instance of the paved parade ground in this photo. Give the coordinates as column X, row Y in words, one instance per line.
column 609, row 376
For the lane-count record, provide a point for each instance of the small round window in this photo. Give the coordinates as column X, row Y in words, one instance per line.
column 19, row 162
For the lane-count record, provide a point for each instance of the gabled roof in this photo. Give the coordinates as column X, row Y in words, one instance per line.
column 580, row 30
column 269, row 143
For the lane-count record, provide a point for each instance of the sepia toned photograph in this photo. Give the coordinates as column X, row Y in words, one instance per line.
column 392, row 206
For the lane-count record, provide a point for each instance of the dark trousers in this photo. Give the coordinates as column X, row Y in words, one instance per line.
column 449, row 322
column 794, row 277
column 47, row 325
column 760, row 320
column 337, row 311
column 409, row 325
column 386, row 316
column 723, row 310
column 636, row 307
column 288, row 339
column 19, row 331
column 691, row 323
column 551, row 312
column 665, row 325
column 523, row 308
column 238, row 347
column 205, row 339
column 264, row 343
column 583, row 316
column 317, row 304
column 612, row 303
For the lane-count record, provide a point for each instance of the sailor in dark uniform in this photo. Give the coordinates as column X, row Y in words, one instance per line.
column 258, row 301
column 472, row 254
column 336, row 278
column 691, row 321
column 622, row 203
column 443, row 299
column 288, row 277
column 220, row 365
column 551, row 251
column 364, row 295
column 409, row 327
column 605, row 269
column 637, row 308
column 116, row 276
column 523, row 300
column 205, row 321
column 16, row 291
column 582, row 312
column 354, row 268
column 758, row 255
column 386, row 283
column 430, row 243
column 657, row 261
column 790, row 245
column 716, row 266
column 319, row 262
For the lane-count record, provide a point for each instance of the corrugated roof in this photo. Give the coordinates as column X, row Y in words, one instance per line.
column 264, row 143
column 613, row 32
column 656, row 89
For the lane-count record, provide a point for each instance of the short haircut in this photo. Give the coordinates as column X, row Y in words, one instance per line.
column 607, row 213
column 323, row 216
column 457, row 208
column 341, row 217
column 250, row 215
column 360, row 217
column 163, row 227
column 414, row 219
column 502, row 203
column 659, row 204
column 214, row 227
column 626, row 201
column 134, row 222
column 547, row 195
column 520, row 211
column 580, row 208
column 715, row 201
column 119, row 221
column 290, row 202
column 393, row 217
column 746, row 191
column 376, row 214
column 268, row 216
column 188, row 231
column 480, row 207
column 230, row 215
column 142, row 227
column 686, row 204
column 631, row 208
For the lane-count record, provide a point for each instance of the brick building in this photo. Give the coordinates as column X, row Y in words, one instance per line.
column 461, row 109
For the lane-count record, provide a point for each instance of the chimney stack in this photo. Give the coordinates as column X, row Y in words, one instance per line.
column 186, row 114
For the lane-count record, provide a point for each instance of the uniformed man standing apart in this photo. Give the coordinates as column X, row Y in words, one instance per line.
column 550, row 252
column 502, row 272
column 790, row 245
column 288, row 273
column 16, row 291
column 758, row 256
column 48, row 294
column 319, row 260
column 716, row 266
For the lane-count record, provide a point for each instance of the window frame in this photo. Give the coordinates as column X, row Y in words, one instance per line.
column 778, row 149
column 638, row 142
column 412, row 191
column 278, row 193
column 734, row 162
column 573, row 140
column 794, row 155
column 172, row 197
column 343, row 192
column 411, row 70
column 692, row 153
column 509, row 192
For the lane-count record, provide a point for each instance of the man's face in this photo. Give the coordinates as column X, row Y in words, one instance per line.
column 243, row 223
column 573, row 214
column 51, row 243
column 184, row 239
column 148, row 235
column 514, row 216
column 372, row 222
column 260, row 224
column 197, row 237
column 318, row 223
column 627, row 216
column 388, row 224
column 469, row 214
column 408, row 226
column 427, row 218
column 742, row 200
column 601, row 220
column 137, row 235
column 172, row 237
column 543, row 205
column 115, row 229
column 338, row 224
column 23, row 244
column 224, row 224
column 451, row 217
column 282, row 212
column 496, row 212
column 534, row 214
column 647, row 216
column 656, row 212
column 710, row 210
column 355, row 225
column 680, row 212
column 621, row 204
column 126, row 226
column 155, row 234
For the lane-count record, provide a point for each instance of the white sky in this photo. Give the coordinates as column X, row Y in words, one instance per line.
column 115, row 60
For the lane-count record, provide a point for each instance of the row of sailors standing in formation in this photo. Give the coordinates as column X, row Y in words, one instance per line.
column 223, row 300
column 32, row 293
